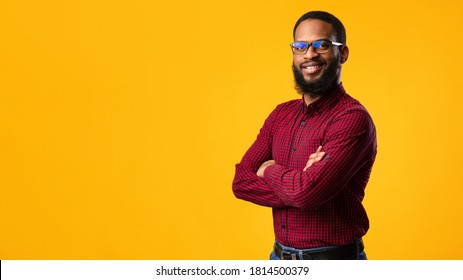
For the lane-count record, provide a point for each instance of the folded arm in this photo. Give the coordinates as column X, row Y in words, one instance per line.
column 246, row 184
column 350, row 141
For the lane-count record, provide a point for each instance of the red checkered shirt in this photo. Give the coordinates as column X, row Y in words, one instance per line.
column 321, row 206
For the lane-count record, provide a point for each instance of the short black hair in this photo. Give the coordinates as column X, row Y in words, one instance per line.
column 340, row 31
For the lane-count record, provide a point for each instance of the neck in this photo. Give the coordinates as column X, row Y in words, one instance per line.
column 308, row 98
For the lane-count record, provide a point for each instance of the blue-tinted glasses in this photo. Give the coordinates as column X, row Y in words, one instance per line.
column 320, row 46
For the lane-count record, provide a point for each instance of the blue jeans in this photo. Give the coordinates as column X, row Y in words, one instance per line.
column 273, row 256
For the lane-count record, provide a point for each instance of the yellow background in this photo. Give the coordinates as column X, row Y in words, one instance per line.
column 121, row 122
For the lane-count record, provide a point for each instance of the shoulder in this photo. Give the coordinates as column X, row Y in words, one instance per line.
column 290, row 104
column 288, row 107
column 281, row 112
column 348, row 104
column 350, row 112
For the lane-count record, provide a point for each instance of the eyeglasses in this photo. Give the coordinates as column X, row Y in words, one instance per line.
column 320, row 46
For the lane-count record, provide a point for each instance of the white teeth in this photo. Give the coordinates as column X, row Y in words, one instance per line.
column 311, row 67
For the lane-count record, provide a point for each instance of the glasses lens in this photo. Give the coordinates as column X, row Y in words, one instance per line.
column 321, row 46
column 299, row 47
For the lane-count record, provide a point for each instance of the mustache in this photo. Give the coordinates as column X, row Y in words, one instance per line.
column 311, row 62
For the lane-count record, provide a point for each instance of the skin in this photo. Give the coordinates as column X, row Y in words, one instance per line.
column 311, row 30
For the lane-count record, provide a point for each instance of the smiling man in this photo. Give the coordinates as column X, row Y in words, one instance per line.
column 313, row 157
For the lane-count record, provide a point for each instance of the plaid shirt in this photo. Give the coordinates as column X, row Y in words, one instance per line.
column 323, row 205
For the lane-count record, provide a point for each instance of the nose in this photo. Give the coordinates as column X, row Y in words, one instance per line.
column 310, row 54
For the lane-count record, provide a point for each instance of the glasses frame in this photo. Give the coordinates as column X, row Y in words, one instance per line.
column 310, row 44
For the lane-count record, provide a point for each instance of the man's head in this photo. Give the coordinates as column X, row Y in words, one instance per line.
column 317, row 70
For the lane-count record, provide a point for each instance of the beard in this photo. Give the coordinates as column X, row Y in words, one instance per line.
column 319, row 86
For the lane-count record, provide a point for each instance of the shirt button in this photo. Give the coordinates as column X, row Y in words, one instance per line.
column 302, row 123
column 283, row 226
column 293, row 148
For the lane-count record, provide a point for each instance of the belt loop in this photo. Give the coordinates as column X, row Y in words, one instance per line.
column 301, row 254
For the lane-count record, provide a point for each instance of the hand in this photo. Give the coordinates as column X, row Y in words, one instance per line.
column 315, row 157
column 264, row 165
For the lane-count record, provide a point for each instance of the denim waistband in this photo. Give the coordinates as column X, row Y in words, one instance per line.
column 311, row 250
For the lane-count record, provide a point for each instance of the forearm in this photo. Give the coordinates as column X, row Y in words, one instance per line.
column 303, row 189
column 248, row 186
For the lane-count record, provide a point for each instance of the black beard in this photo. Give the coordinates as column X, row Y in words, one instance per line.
column 321, row 85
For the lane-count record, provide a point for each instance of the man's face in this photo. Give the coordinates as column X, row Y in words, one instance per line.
column 315, row 73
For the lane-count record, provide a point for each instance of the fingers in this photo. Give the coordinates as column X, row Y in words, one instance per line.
column 319, row 156
column 315, row 157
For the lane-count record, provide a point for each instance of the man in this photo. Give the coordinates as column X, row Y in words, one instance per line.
column 313, row 157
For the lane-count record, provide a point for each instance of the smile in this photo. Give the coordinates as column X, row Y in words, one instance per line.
column 311, row 69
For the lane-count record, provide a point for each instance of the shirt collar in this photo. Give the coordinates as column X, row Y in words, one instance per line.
column 326, row 101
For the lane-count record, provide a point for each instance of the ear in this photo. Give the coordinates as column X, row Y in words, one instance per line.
column 344, row 54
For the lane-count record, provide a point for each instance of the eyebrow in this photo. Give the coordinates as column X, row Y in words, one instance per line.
column 313, row 40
